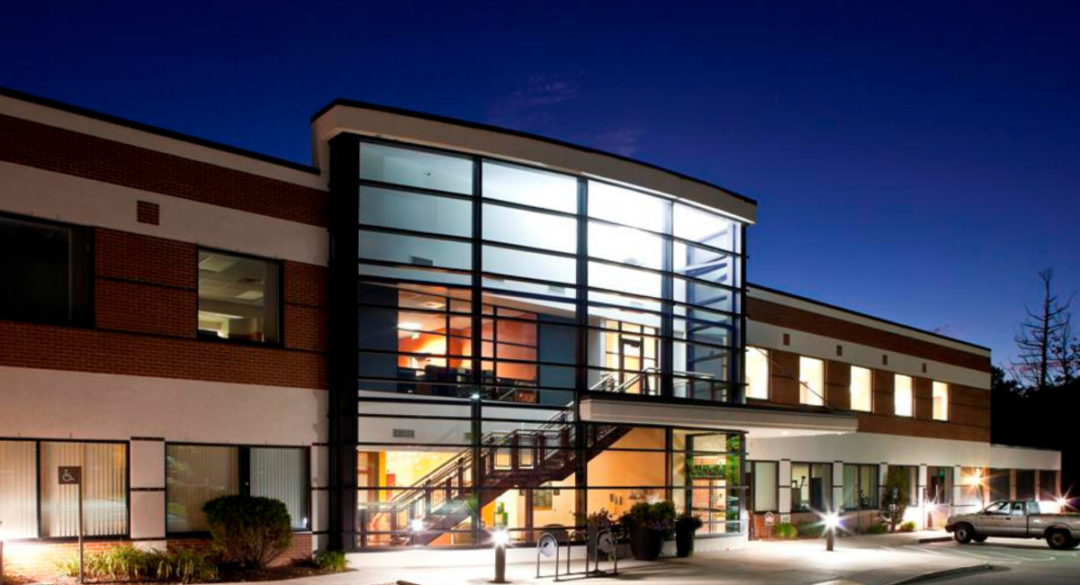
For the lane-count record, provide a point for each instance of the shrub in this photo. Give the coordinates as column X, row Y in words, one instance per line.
column 331, row 561
column 786, row 531
column 908, row 526
column 658, row 516
column 127, row 563
column 188, row 566
column 894, row 498
column 810, row 529
column 877, row 529
column 248, row 530
column 687, row 522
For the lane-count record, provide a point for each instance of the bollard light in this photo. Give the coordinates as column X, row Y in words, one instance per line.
column 832, row 523
column 416, row 526
column 501, row 538
column 1, row 552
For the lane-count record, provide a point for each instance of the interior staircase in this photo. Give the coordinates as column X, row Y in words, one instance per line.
column 443, row 498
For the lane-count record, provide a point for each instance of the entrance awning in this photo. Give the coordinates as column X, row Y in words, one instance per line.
column 758, row 422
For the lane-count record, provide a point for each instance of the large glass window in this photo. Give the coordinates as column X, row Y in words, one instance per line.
column 811, row 487
column 104, row 484
column 416, row 168
column 861, row 487
column 811, row 381
column 406, row 210
column 939, row 484
column 46, row 271
column 627, row 207
column 941, row 401
column 903, row 398
column 862, row 390
column 757, row 373
column 18, row 488
column 530, row 228
column 532, row 187
column 239, row 297
column 765, row 483
column 196, row 474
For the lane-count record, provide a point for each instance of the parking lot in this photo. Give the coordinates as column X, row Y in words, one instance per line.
column 1015, row 561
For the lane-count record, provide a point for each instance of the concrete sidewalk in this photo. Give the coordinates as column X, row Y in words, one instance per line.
column 863, row 560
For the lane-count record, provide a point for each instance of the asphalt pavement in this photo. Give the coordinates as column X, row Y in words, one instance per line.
column 1013, row 562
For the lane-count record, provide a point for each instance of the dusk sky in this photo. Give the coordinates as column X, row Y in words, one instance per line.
column 918, row 161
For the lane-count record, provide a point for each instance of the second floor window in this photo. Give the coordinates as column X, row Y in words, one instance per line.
column 239, row 297
column 811, row 381
column 941, row 401
column 757, row 373
column 861, row 389
column 45, row 270
column 904, row 399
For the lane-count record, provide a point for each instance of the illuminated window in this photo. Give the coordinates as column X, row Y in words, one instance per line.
column 757, row 373
column 903, row 404
column 811, row 381
column 239, row 297
column 941, row 401
column 861, row 389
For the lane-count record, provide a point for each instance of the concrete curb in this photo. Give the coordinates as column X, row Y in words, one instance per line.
column 943, row 573
column 935, row 539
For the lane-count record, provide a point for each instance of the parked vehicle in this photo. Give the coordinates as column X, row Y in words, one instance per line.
column 1016, row 519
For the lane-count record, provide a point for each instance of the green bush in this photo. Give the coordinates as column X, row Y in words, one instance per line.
column 188, row 566
column 786, row 531
column 127, row 563
column 908, row 526
column 877, row 529
column 249, row 530
column 658, row 516
column 331, row 561
column 810, row 529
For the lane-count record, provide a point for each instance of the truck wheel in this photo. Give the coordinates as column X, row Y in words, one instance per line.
column 963, row 533
column 1059, row 540
column 979, row 538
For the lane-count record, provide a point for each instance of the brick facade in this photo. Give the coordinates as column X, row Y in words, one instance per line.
column 146, row 318
column 64, row 151
column 792, row 318
column 969, row 408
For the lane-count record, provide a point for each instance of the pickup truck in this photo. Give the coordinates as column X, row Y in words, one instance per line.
column 1016, row 519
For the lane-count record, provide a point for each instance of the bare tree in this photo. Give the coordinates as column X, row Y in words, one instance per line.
column 1036, row 340
column 1065, row 351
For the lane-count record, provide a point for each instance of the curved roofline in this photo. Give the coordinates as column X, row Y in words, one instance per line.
column 864, row 315
column 66, row 107
column 518, row 133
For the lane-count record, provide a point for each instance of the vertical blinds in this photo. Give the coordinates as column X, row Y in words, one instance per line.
column 280, row 473
column 104, row 478
column 18, row 489
column 196, row 475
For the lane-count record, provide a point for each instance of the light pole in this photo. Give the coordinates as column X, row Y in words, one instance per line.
column 501, row 538
column 832, row 522
column 1, row 552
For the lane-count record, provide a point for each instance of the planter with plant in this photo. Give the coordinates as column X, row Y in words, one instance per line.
column 685, row 526
column 648, row 525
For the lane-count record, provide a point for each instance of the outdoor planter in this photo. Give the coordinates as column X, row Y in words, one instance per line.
column 646, row 543
column 686, row 526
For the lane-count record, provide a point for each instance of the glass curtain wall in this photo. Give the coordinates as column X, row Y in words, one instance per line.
column 490, row 297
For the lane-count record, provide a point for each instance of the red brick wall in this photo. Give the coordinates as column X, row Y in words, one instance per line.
column 64, row 151
column 969, row 408
column 145, row 312
column 791, row 318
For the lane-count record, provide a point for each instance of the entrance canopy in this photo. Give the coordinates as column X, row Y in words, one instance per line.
column 758, row 422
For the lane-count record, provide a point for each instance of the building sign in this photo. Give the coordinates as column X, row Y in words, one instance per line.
column 69, row 475
column 770, row 519
column 785, row 518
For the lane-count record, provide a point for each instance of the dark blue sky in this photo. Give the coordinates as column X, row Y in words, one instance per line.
column 914, row 160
